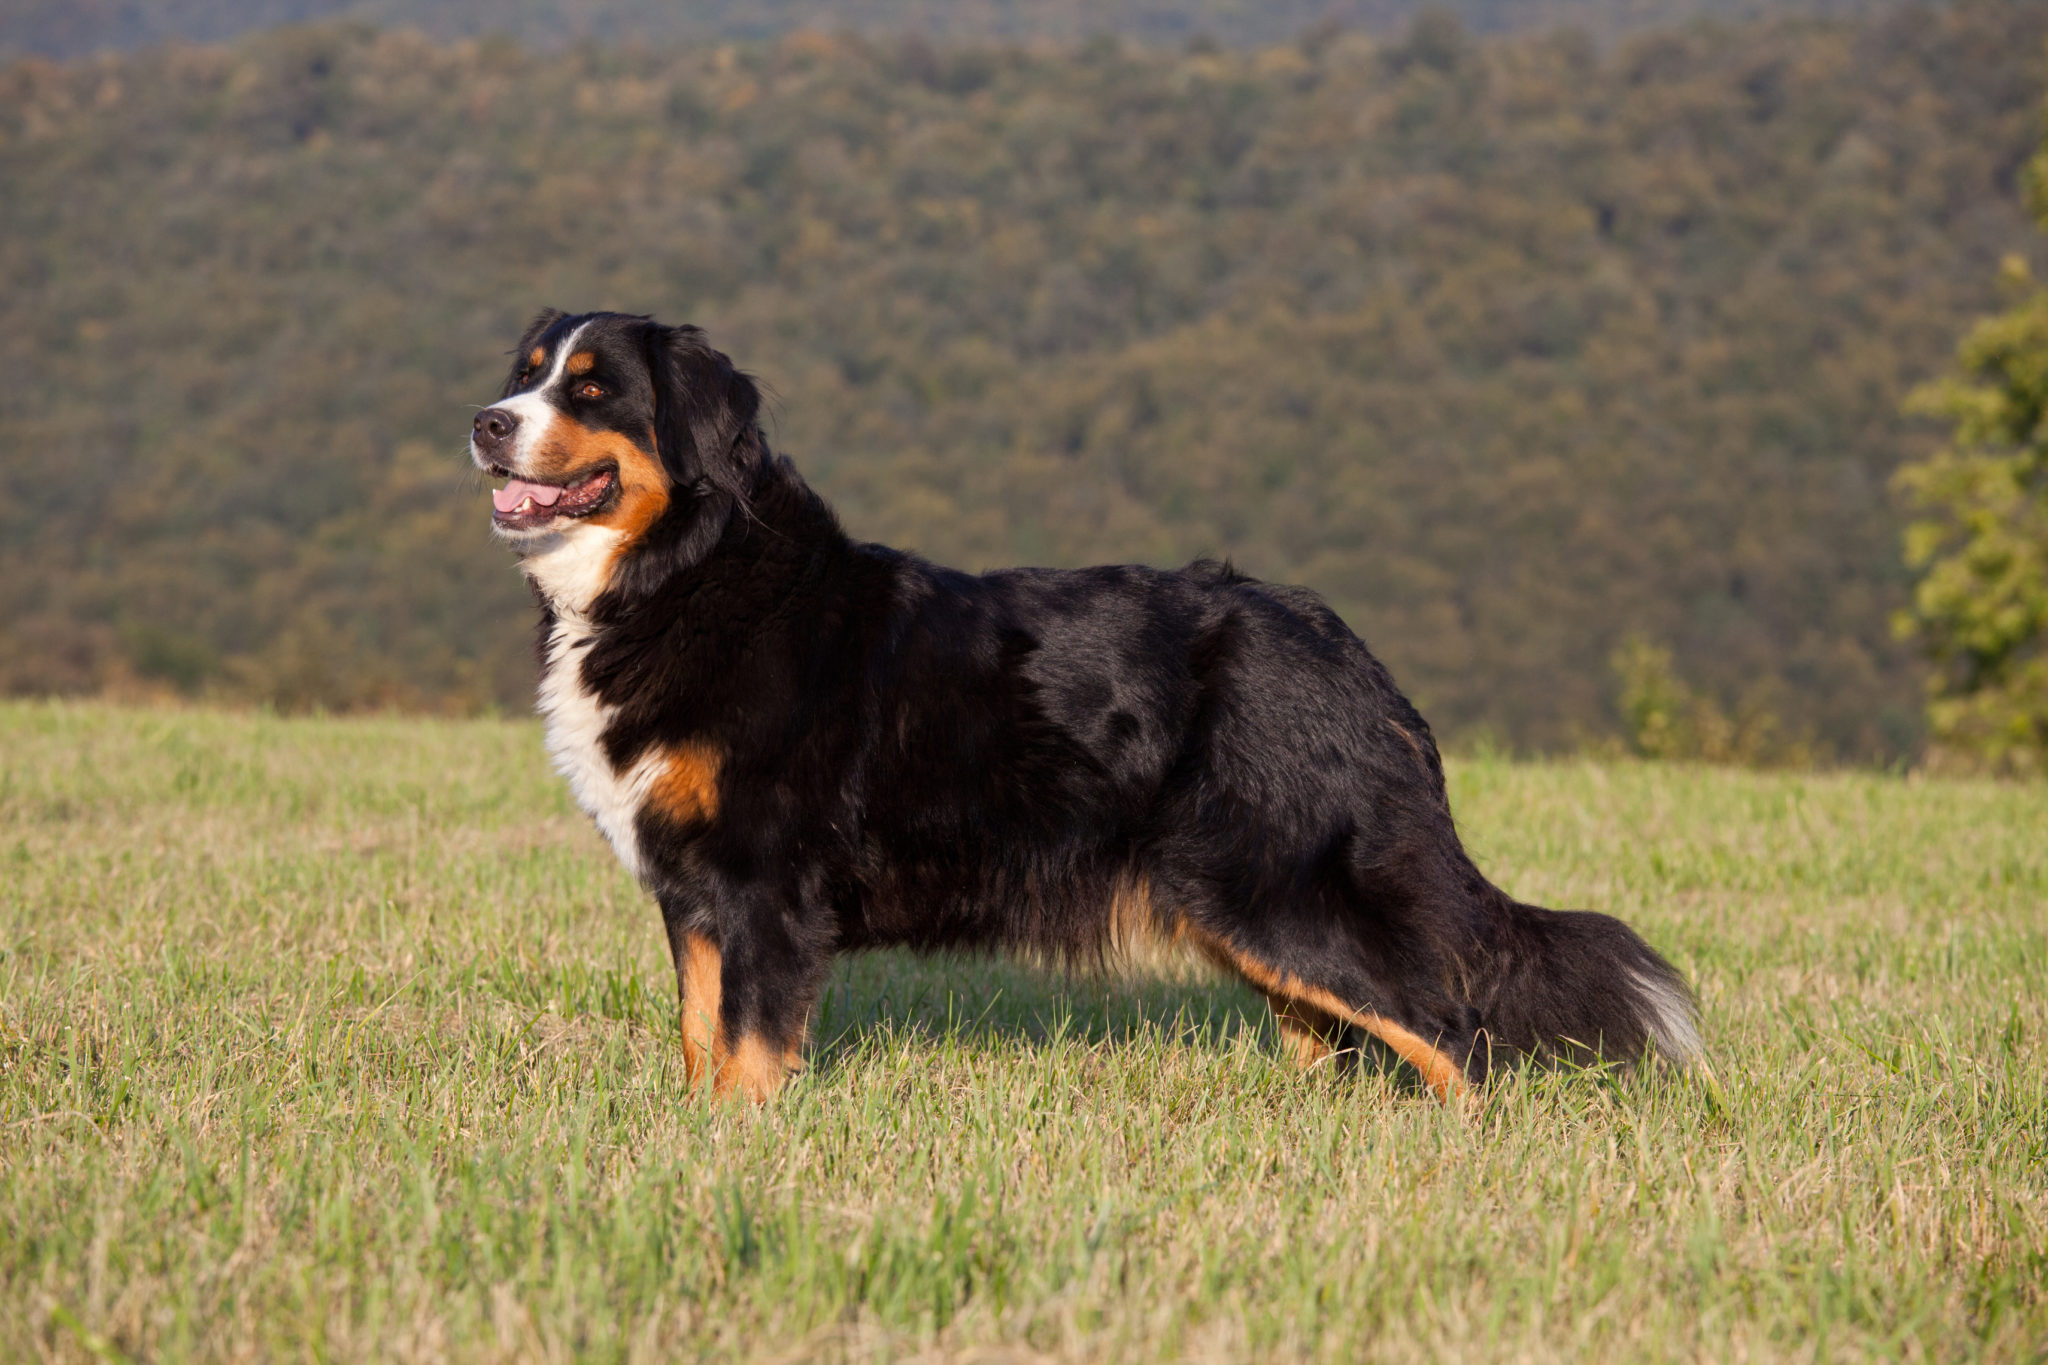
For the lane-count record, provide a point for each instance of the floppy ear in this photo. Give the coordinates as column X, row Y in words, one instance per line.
column 534, row 330
column 704, row 414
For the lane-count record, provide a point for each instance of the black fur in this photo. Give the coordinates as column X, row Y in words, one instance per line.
column 915, row 755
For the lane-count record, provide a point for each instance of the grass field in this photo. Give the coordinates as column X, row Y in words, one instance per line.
column 347, row 1040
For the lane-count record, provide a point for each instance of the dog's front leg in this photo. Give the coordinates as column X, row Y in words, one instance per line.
column 746, row 976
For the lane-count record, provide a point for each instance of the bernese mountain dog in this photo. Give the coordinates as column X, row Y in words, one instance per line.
column 803, row 745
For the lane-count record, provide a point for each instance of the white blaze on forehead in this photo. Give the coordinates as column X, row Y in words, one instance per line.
column 535, row 413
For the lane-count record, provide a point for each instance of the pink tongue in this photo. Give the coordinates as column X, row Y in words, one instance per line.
column 509, row 497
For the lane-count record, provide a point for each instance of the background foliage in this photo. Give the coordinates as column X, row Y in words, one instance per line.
column 1515, row 348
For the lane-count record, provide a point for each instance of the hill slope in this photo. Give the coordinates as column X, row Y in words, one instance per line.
column 1510, row 348
column 71, row 28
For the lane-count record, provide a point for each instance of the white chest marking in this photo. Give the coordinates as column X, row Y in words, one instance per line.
column 576, row 722
column 572, row 567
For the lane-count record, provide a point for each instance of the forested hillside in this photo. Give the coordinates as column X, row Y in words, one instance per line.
column 1511, row 347
column 70, row 28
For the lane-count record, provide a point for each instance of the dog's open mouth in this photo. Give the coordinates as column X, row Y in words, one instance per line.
column 523, row 505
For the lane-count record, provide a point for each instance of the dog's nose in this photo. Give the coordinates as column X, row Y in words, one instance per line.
column 493, row 427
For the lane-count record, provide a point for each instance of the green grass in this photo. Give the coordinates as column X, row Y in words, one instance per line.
column 347, row 1040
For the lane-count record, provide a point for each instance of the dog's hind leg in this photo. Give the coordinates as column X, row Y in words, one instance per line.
column 1301, row 1005
column 1309, row 1036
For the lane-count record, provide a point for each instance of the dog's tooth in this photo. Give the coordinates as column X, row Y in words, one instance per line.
column 525, row 506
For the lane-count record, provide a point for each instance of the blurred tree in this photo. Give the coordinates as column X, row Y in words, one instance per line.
column 1666, row 719
column 1980, row 608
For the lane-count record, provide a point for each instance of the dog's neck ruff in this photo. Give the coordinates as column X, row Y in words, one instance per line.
column 571, row 568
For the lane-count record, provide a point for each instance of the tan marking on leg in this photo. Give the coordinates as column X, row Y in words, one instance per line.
column 753, row 1068
column 583, row 362
column 1305, row 1032
column 687, row 789
column 1442, row 1075
column 1131, row 922
column 698, row 972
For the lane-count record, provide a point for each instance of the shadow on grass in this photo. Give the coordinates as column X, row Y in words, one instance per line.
column 991, row 999
column 969, row 998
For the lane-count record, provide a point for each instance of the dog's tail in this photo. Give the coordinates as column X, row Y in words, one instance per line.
column 1579, row 986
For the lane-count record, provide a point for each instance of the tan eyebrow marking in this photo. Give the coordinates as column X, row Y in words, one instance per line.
column 583, row 362
column 535, row 357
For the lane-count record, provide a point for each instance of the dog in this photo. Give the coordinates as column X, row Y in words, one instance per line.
column 804, row 745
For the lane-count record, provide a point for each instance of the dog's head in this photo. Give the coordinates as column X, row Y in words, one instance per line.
column 617, row 437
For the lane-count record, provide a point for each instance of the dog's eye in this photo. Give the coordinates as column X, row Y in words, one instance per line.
column 590, row 391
